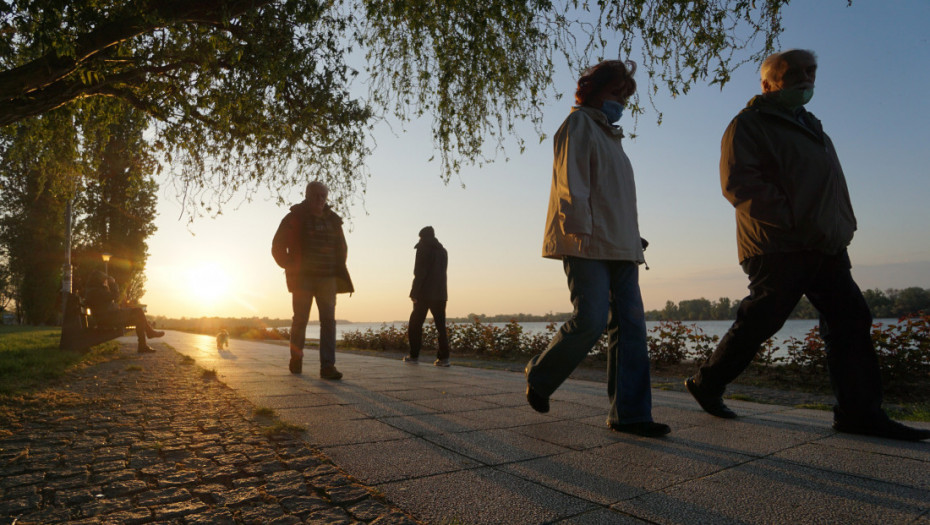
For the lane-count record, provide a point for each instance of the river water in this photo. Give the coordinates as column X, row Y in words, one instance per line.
column 796, row 328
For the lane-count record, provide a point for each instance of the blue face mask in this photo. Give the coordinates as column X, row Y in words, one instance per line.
column 613, row 110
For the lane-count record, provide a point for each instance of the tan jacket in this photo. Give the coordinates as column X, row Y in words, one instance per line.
column 786, row 183
column 592, row 202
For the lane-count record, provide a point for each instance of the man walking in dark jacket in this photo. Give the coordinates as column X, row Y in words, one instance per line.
column 311, row 247
column 429, row 292
column 794, row 221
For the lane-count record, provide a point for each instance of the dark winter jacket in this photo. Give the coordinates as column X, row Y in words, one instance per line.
column 101, row 296
column 310, row 247
column 785, row 181
column 429, row 271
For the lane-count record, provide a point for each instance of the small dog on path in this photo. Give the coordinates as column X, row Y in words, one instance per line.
column 222, row 339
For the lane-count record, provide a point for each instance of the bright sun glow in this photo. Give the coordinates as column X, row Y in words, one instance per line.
column 208, row 283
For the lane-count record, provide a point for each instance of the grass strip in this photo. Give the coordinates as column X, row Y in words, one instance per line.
column 30, row 358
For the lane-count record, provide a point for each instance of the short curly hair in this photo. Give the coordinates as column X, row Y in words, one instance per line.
column 596, row 77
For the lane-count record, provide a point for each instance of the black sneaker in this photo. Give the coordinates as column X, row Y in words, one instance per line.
column 711, row 404
column 537, row 400
column 644, row 428
column 886, row 428
column 296, row 365
column 411, row 360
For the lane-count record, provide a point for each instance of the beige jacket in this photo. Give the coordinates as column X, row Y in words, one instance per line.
column 592, row 203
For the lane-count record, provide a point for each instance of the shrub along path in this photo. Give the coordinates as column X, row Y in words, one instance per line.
column 153, row 438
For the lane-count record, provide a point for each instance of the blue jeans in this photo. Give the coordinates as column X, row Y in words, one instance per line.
column 324, row 289
column 605, row 294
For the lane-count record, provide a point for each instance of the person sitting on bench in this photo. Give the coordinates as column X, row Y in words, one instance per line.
column 101, row 296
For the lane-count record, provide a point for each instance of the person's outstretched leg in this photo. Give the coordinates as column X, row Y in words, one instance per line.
column 776, row 284
column 589, row 283
column 415, row 329
column 301, row 301
column 438, row 309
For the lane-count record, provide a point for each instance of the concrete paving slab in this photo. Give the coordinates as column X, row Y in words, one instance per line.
column 343, row 432
column 496, row 446
column 602, row 517
column 297, row 400
column 450, row 403
column 673, row 455
column 591, row 478
column 321, row 414
column 430, row 424
column 769, row 491
column 504, row 417
column 893, row 469
column 883, row 447
column 482, row 497
column 750, row 436
column 567, row 434
column 396, row 460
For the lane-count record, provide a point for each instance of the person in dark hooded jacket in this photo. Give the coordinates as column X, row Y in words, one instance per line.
column 429, row 293
column 794, row 220
column 311, row 247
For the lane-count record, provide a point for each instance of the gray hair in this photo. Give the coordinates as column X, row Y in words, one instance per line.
column 317, row 185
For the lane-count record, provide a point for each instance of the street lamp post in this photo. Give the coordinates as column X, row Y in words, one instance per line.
column 106, row 257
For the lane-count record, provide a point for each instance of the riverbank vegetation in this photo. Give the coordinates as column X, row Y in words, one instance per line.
column 675, row 348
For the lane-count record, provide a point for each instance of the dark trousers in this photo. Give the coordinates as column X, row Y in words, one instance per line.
column 415, row 327
column 134, row 317
column 776, row 284
column 324, row 290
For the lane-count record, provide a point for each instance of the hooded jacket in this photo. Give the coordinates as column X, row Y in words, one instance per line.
column 429, row 269
column 785, row 181
column 292, row 240
column 592, row 201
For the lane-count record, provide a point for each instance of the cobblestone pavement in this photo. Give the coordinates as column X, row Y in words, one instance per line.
column 152, row 438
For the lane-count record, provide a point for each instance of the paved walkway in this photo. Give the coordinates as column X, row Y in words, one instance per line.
column 460, row 446
column 148, row 439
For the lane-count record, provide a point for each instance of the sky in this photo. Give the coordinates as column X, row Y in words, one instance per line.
column 870, row 94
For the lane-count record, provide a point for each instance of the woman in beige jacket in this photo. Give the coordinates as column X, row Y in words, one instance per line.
column 592, row 227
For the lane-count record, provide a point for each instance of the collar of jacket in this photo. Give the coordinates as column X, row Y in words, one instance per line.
column 601, row 120
column 767, row 105
column 302, row 209
column 432, row 241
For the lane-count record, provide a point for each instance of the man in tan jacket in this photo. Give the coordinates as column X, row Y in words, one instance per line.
column 794, row 221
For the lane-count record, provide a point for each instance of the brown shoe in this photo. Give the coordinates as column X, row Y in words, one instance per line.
column 145, row 349
column 155, row 333
column 330, row 372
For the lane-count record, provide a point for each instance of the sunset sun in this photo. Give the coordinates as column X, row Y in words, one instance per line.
column 208, row 283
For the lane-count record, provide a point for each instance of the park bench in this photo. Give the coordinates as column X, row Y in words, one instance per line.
column 80, row 330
